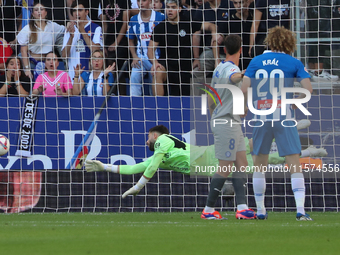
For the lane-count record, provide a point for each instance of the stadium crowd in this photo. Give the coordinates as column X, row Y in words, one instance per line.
column 79, row 47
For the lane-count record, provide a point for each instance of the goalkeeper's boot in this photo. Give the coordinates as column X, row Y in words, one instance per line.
column 247, row 214
column 303, row 217
column 261, row 216
column 302, row 124
column 212, row 216
column 317, row 152
column 94, row 166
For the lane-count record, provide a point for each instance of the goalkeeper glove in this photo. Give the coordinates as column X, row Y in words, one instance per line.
column 135, row 189
column 96, row 166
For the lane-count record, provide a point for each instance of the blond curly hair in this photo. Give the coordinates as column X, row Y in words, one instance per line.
column 281, row 39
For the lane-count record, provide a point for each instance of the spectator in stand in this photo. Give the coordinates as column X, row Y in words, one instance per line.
column 158, row 5
column 5, row 52
column 198, row 3
column 53, row 82
column 38, row 38
column 240, row 22
column 175, row 61
column 215, row 12
column 14, row 82
column 9, row 12
column 268, row 14
column 140, row 29
column 319, row 14
column 82, row 37
column 98, row 81
column 115, row 18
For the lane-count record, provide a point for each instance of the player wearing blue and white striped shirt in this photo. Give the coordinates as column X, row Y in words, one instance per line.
column 81, row 38
column 140, row 28
column 271, row 71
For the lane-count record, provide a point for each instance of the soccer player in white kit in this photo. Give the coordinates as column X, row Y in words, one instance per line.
column 230, row 148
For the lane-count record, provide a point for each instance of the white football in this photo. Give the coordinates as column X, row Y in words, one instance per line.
column 4, row 145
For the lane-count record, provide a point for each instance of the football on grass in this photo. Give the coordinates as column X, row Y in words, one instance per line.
column 4, row 145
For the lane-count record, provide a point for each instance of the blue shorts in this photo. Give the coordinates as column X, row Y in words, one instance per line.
column 286, row 138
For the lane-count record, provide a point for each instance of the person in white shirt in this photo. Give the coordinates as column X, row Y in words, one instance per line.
column 37, row 39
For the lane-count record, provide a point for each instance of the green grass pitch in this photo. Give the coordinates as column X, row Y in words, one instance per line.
column 166, row 233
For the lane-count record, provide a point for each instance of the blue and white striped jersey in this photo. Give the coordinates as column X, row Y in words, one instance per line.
column 80, row 53
column 143, row 31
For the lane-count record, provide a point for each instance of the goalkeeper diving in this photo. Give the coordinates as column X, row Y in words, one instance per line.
column 170, row 153
column 173, row 154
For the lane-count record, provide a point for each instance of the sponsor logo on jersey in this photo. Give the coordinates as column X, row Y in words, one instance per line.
column 146, row 36
column 267, row 104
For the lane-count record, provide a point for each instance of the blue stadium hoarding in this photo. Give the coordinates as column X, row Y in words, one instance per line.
column 61, row 123
column 122, row 129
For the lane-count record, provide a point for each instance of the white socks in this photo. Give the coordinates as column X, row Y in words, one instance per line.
column 208, row 209
column 242, row 207
column 111, row 168
column 298, row 187
column 259, row 186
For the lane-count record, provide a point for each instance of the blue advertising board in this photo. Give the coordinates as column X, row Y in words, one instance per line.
column 122, row 129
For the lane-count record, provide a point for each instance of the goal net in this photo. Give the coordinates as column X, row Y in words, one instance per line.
column 45, row 133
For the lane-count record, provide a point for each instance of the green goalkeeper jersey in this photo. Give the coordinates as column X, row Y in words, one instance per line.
column 174, row 154
column 170, row 154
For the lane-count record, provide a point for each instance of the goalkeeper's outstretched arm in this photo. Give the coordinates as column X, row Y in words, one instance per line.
column 97, row 166
column 149, row 172
column 148, row 167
